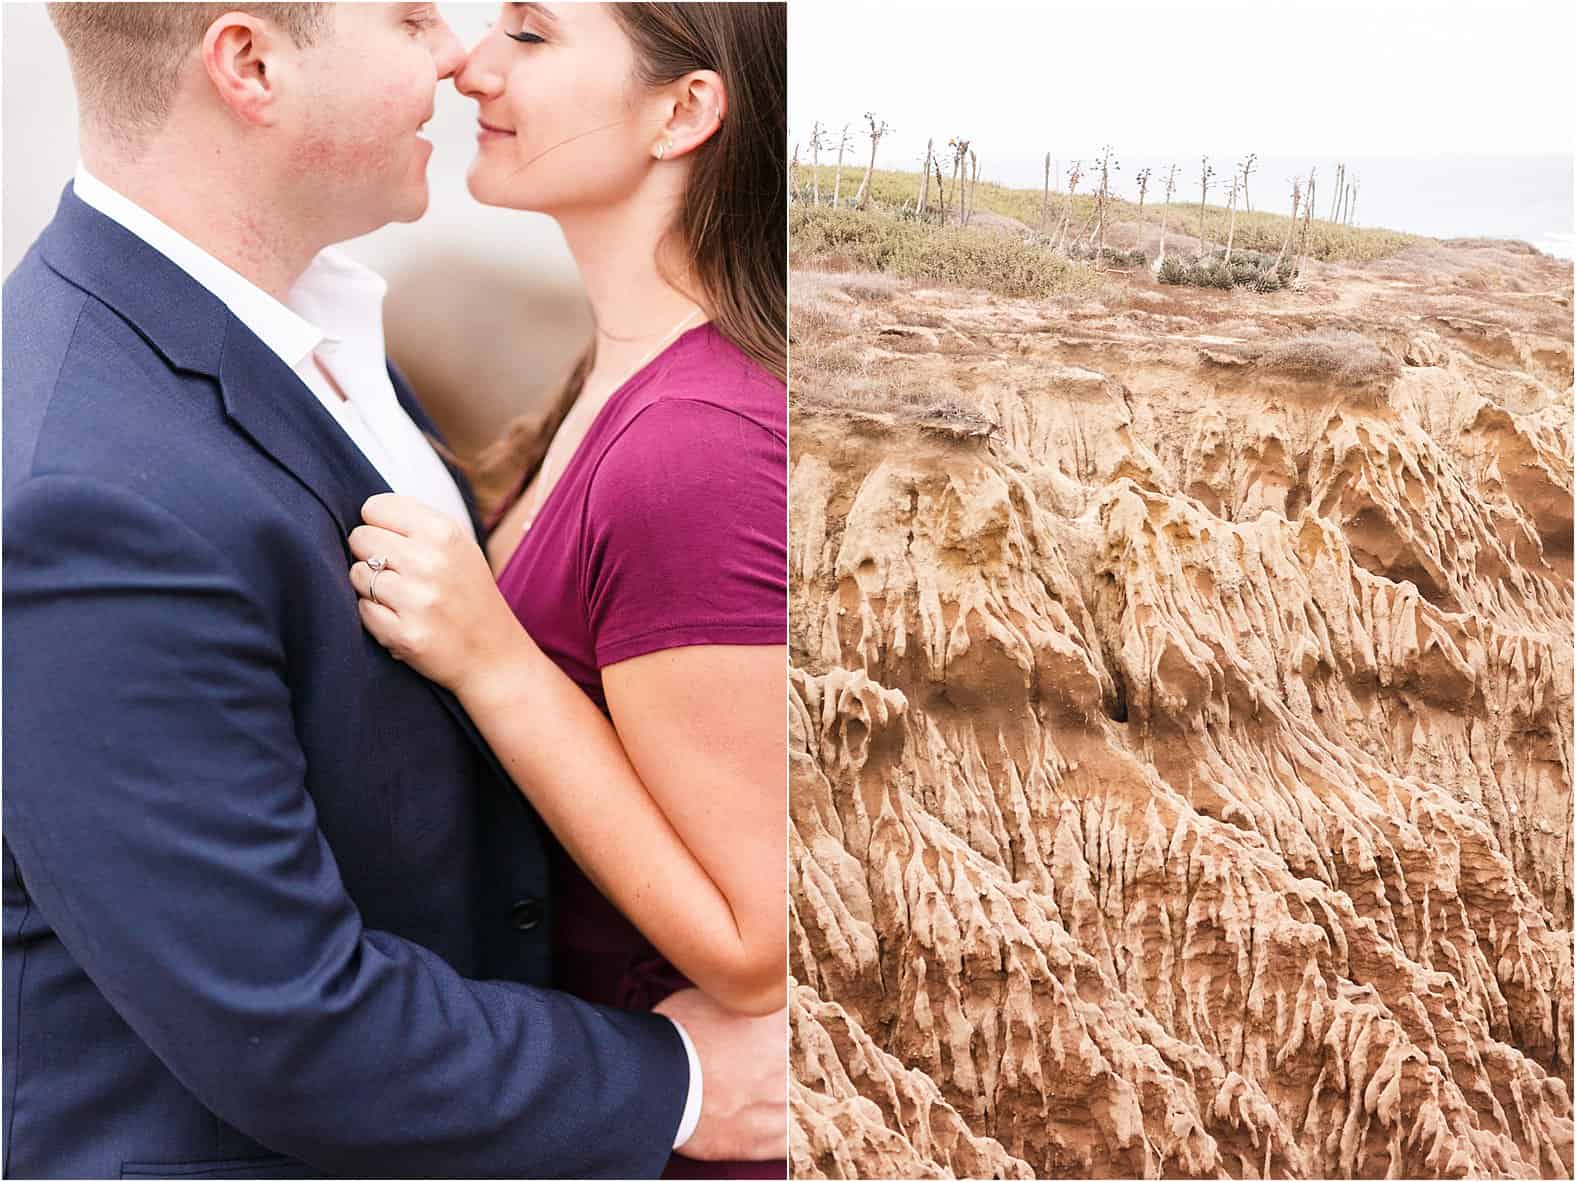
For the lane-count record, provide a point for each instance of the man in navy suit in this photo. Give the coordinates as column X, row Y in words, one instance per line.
column 271, row 909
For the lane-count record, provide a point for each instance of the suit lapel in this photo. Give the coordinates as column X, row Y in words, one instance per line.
column 418, row 415
column 274, row 408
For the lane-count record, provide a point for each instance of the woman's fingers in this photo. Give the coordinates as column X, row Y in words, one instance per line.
column 388, row 584
column 438, row 607
column 408, row 637
column 406, row 516
column 368, row 541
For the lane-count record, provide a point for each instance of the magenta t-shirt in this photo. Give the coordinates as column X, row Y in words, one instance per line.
column 668, row 528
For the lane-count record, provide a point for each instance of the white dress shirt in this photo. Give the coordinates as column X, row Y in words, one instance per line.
column 334, row 315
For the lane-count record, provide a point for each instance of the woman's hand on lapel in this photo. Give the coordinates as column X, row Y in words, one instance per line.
column 438, row 608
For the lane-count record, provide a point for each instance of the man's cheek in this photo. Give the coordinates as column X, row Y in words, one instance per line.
column 314, row 153
column 347, row 153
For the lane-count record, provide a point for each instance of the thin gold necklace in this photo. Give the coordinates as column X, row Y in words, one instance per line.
column 541, row 483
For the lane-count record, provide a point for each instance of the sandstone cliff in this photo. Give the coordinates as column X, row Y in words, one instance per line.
column 1181, row 727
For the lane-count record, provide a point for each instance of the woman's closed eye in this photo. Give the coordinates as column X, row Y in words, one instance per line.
column 524, row 37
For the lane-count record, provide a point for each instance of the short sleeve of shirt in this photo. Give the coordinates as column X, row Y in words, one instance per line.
column 685, row 539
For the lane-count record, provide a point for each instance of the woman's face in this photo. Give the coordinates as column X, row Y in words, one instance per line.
column 561, row 121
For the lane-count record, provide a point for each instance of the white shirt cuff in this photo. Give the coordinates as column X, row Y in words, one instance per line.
column 691, row 1116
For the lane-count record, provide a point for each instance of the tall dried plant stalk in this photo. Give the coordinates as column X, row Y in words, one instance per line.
column 1165, row 214
column 1205, row 175
column 817, row 137
column 1045, row 201
column 843, row 144
column 1074, row 175
column 877, row 130
column 1231, row 213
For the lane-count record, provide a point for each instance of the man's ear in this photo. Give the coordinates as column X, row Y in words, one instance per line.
column 238, row 55
column 699, row 105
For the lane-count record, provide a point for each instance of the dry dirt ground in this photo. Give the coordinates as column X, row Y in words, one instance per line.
column 1181, row 726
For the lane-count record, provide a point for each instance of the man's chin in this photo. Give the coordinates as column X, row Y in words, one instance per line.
column 413, row 206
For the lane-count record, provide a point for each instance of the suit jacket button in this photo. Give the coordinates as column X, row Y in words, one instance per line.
column 526, row 913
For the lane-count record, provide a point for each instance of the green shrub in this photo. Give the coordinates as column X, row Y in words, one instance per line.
column 1243, row 271
column 1213, row 273
column 1248, row 268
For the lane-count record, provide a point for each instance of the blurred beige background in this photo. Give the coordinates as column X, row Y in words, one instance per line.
column 485, row 312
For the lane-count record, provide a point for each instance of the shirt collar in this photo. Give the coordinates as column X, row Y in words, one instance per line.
column 346, row 300
column 284, row 331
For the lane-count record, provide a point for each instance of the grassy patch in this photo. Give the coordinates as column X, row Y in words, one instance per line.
column 959, row 256
column 1258, row 231
column 892, row 189
column 1264, row 232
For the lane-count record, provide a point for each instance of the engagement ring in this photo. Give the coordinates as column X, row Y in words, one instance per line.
column 376, row 565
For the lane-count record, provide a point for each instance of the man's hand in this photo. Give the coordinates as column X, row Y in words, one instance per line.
column 744, row 1071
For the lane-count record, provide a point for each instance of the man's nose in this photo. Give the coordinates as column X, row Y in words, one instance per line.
column 447, row 52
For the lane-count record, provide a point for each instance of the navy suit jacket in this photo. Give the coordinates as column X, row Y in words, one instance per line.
column 270, row 908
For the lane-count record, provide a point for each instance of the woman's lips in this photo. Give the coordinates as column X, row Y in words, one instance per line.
column 486, row 131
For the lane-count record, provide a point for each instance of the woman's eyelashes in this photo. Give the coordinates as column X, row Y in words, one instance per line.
column 525, row 37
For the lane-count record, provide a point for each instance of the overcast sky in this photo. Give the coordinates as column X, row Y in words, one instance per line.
column 1276, row 77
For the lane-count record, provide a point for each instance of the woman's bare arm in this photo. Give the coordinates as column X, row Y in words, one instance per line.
column 680, row 815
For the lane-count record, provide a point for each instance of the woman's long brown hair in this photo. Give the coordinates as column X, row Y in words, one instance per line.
column 732, row 223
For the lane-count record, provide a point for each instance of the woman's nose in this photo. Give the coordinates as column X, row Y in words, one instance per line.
column 479, row 76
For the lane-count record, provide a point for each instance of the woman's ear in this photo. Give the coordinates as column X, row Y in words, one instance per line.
column 699, row 105
column 238, row 55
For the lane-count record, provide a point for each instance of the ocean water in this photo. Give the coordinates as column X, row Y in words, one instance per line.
column 1525, row 197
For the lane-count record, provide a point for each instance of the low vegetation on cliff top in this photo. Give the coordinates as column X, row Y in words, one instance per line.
column 963, row 256
column 891, row 190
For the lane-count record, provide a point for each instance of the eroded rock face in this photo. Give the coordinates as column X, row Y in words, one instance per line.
column 1181, row 769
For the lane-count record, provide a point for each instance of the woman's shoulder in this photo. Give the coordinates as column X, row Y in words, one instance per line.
column 702, row 382
column 685, row 530
column 706, row 427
